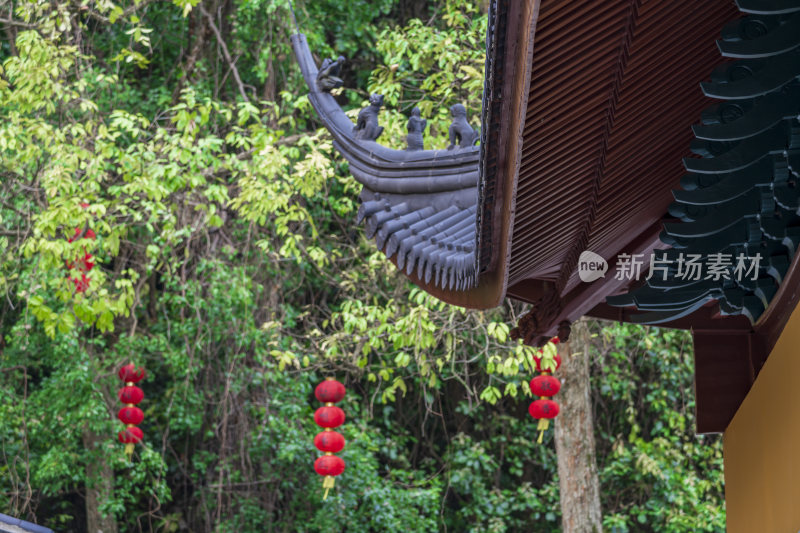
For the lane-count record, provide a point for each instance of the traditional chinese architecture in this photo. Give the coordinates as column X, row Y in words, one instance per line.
column 9, row 524
column 621, row 127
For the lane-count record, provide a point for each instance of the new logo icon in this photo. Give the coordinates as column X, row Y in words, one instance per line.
column 591, row 267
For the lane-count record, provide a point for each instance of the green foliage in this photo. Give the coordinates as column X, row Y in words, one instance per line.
column 227, row 266
column 670, row 478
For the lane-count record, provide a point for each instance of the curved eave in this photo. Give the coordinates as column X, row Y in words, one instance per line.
column 420, row 206
column 486, row 295
column 729, row 351
column 406, row 193
column 765, row 331
column 510, row 48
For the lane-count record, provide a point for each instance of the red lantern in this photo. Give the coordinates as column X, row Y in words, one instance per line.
column 329, row 416
column 329, row 441
column 329, row 391
column 130, row 435
column 131, row 395
column 87, row 264
column 329, row 465
column 130, row 415
column 90, row 234
column 545, row 385
column 130, row 374
column 84, row 264
column 543, row 409
column 538, row 361
column 82, row 284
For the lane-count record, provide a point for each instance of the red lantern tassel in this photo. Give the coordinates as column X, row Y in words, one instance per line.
column 327, row 483
column 328, row 441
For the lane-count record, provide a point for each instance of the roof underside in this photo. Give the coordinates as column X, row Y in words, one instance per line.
column 614, row 93
column 609, row 120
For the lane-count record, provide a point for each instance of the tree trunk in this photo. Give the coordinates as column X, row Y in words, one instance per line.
column 99, row 484
column 574, row 436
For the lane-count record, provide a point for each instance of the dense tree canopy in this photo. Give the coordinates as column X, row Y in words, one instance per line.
column 228, row 265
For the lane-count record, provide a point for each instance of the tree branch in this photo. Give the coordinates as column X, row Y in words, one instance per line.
column 225, row 52
column 18, row 23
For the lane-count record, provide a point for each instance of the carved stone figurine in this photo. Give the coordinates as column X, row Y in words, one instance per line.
column 416, row 128
column 366, row 127
column 328, row 75
column 461, row 132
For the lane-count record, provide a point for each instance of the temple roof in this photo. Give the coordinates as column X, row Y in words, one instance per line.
column 9, row 524
column 419, row 205
column 598, row 136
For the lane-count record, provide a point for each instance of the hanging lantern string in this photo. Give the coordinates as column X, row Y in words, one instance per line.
column 545, row 386
column 130, row 415
column 329, row 441
column 129, row 445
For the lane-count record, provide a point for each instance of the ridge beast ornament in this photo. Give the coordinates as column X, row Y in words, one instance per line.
column 367, row 127
column 462, row 135
column 328, row 75
column 416, row 129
